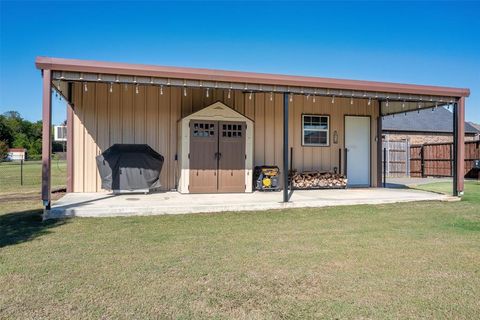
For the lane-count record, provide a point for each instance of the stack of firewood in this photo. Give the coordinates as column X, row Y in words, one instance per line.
column 317, row 180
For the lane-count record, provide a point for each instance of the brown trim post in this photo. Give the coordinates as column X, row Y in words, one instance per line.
column 285, row 147
column 459, row 146
column 379, row 148
column 46, row 137
column 69, row 148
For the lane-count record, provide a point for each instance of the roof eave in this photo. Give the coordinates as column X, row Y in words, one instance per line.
column 88, row 66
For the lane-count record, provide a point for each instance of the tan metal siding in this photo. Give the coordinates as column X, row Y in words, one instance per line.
column 102, row 118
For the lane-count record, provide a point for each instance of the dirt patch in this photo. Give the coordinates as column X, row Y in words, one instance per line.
column 27, row 196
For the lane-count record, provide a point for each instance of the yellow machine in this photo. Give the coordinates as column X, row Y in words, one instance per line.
column 266, row 178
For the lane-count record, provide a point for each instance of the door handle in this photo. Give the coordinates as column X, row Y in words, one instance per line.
column 218, row 155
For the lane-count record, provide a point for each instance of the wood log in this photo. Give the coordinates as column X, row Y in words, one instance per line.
column 317, row 180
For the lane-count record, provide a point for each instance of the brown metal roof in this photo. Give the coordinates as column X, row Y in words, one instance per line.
column 88, row 66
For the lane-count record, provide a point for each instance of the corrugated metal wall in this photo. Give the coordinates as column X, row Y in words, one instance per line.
column 106, row 114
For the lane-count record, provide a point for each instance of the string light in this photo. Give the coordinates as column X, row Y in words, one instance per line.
column 403, row 104
column 291, row 97
column 184, row 91
column 271, row 96
column 386, row 104
column 111, row 87
column 161, row 90
column 333, row 99
column 136, row 88
column 250, row 96
column 314, row 99
column 369, row 101
column 85, row 87
column 207, row 94
column 229, row 93
column 351, row 100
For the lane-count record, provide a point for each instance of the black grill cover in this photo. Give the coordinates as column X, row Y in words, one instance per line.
column 130, row 167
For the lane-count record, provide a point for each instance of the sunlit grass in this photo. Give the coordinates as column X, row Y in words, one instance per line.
column 409, row 260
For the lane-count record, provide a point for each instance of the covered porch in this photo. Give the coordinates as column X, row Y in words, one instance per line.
column 110, row 103
column 108, row 205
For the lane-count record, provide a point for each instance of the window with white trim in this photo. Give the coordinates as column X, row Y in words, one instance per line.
column 315, row 130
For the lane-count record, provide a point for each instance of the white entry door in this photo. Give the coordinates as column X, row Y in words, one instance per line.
column 357, row 143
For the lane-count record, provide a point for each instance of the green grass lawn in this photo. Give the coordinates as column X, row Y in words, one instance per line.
column 409, row 260
column 10, row 173
column 472, row 189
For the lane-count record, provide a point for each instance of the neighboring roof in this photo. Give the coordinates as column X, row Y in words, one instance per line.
column 439, row 121
column 59, row 64
column 17, row 150
column 475, row 125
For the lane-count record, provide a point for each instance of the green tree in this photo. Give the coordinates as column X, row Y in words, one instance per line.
column 3, row 150
column 5, row 131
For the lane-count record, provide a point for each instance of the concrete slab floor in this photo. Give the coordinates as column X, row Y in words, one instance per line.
column 108, row 205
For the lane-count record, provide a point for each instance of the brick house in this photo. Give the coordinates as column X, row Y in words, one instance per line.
column 424, row 126
column 476, row 126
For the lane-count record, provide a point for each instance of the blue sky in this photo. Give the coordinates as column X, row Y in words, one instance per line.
column 413, row 42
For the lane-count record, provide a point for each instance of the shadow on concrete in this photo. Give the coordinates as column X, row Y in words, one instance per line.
column 23, row 226
column 397, row 186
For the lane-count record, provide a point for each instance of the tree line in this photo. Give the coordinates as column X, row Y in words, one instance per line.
column 16, row 132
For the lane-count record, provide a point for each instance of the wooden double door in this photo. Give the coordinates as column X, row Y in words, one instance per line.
column 217, row 156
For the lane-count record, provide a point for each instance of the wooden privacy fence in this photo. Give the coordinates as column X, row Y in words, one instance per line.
column 397, row 155
column 436, row 159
